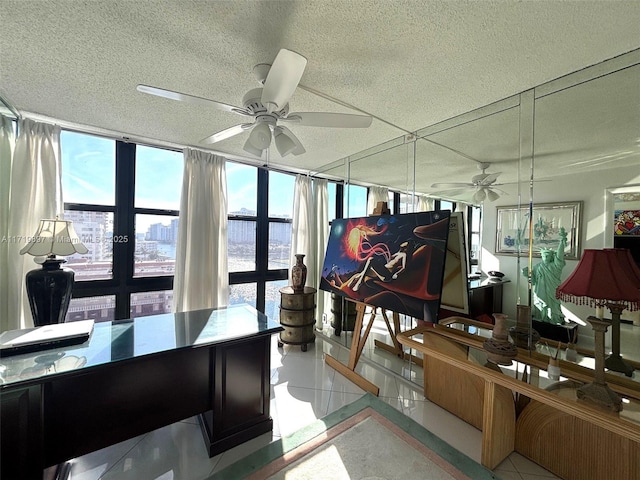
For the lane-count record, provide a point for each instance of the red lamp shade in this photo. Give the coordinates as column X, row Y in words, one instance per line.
column 608, row 275
column 624, row 256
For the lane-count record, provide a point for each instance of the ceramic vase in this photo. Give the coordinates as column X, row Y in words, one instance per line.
column 299, row 274
column 522, row 334
column 499, row 349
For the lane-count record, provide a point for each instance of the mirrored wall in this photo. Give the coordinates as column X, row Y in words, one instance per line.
column 574, row 139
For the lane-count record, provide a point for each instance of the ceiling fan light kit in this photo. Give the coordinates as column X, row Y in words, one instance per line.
column 260, row 136
column 492, row 196
column 283, row 143
column 484, row 184
column 268, row 105
column 249, row 148
column 480, row 195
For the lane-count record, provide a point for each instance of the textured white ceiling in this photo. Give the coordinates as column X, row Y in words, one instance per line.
column 411, row 63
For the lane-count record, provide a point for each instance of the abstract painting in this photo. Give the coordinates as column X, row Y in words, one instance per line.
column 395, row 262
column 627, row 222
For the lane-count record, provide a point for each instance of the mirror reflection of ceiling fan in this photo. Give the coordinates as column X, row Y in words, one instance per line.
column 483, row 184
column 269, row 107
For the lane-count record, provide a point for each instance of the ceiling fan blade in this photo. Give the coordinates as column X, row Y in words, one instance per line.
column 227, row 133
column 299, row 150
column 183, row 97
column 333, row 120
column 489, row 179
column 459, row 184
column 497, row 190
column 282, row 80
column 479, row 178
column 453, row 192
column 522, row 182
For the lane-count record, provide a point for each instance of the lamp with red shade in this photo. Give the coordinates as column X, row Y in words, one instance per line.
column 604, row 277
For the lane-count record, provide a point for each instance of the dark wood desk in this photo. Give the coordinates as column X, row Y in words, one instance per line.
column 485, row 298
column 134, row 376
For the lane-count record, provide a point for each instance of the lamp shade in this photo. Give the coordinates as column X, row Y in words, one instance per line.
column 492, row 196
column 601, row 276
column 624, row 256
column 260, row 136
column 54, row 237
column 249, row 148
column 480, row 195
column 284, row 144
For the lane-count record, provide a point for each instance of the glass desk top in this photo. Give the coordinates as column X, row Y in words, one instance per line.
column 126, row 339
column 528, row 371
column 546, row 348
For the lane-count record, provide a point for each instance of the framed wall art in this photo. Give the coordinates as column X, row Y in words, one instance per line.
column 514, row 227
column 627, row 223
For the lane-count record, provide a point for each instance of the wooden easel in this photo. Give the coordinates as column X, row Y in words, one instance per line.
column 357, row 345
column 360, row 339
column 396, row 348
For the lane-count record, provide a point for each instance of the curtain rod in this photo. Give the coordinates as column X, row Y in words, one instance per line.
column 152, row 142
column 4, row 102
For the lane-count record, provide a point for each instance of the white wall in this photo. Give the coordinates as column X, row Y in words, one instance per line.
column 588, row 187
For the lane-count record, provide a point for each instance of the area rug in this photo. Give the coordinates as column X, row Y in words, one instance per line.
column 365, row 440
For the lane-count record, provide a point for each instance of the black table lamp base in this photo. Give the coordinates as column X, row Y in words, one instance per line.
column 49, row 292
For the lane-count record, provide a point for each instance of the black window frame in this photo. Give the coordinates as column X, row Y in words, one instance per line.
column 262, row 274
column 123, row 282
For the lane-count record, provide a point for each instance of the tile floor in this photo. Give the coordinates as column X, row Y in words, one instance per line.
column 303, row 389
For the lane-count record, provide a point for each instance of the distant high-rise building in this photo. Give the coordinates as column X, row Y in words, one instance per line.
column 174, row 230
column 163, row 233
column 280, row 232
column 241, row 231
column 94, row 230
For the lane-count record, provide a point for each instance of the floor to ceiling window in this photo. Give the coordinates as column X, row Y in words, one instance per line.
column 260, row 210
column 475, row 239
column 355, row 199
column 123, row 199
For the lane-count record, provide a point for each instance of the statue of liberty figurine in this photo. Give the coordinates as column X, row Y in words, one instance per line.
column 545, row 278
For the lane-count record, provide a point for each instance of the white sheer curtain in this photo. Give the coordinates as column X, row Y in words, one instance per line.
column 321, row 202
column 201, row 279
column 375, row 195
column 464, row 209
column 425, row 204
column 35, row 193
column 303, row 227
column 309, row 233
column 7, row 144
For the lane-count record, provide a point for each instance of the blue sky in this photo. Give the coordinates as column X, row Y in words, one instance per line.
column 88, row 169
column 88, row 173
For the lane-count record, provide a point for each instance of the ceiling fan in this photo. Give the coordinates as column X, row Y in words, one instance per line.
column 268, row 107
column 483, row 183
